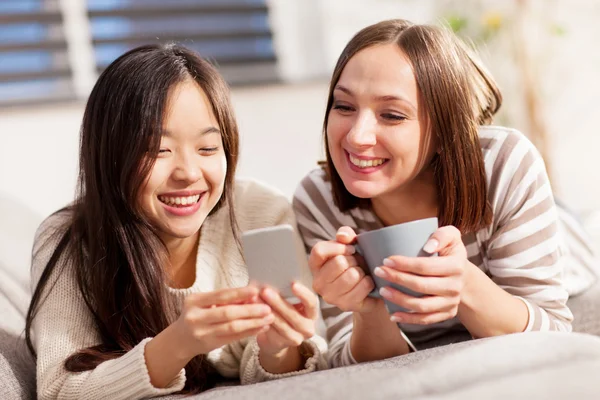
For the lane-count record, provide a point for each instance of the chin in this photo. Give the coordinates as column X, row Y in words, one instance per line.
column 183, row 229
column 181, row 233
column 364, row 190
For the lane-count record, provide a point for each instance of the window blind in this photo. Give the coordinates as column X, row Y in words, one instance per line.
column 234, row 34
column 34, row 63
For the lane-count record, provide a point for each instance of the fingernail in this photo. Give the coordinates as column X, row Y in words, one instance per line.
column 431, row 246
column 395, row 318
column 342, row 233
column 269, row 293
column 388, row 263
column 350, row 249
column 385, row 292
column 379, row 272
column 269, row 318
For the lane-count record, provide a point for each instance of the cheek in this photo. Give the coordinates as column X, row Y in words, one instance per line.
column 215, row 170
column 152, row 183
column 337, row 128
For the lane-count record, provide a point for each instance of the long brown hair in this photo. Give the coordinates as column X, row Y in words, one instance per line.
column 457, row 94
column 114, row 253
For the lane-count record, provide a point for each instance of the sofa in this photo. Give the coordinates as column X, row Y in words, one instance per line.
column 537, row 365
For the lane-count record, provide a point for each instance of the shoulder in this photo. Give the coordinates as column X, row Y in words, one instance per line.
column 52, row 227
column 47, row 238
column 508, row 156
column 258, row 204
column 314, row 188
column 502, row 145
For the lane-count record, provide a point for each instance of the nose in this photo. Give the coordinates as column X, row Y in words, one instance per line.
column 187, row 169
column 363, row 131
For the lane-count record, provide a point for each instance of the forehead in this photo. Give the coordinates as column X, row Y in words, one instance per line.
column 382, row 70
column 188, row 105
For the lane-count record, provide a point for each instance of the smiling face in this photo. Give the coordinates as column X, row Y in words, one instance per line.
column 376, row 136
column 187, row 179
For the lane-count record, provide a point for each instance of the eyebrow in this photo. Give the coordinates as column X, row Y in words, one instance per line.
column 206, row 131
column 388, row 97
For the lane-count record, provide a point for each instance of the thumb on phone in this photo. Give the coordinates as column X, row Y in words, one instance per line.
column 345, row 235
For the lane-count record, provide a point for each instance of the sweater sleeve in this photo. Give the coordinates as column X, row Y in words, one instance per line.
column 63, row 325
column 318, row 220
column 524, row 255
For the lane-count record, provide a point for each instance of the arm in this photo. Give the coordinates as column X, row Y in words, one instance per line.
column 63, row 325
column 291, row 346
column 245, row 359
column 353, row 336
column 155, row 366
column 523, row 256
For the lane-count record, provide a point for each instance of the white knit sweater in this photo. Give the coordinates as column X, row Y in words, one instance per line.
column 64, row 325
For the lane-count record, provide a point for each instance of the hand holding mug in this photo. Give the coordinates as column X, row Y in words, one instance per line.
column 337, row 277
column 440, row 280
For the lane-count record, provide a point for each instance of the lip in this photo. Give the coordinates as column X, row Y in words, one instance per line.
column 187, row 210
column 183, row 193
column 364, row 171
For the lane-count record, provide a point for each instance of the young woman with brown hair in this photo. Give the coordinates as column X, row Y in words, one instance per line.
column 407, row 137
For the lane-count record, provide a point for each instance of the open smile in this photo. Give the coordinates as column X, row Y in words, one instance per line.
column 181, row 204
column 363, row 164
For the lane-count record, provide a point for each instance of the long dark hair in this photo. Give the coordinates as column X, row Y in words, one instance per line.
column 457, row 94
column 114, row 253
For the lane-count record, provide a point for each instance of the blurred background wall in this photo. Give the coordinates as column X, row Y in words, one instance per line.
column 278, row 55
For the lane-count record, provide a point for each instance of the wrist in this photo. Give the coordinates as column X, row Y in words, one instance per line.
column 184, row 349
column 374, row 316
column 471, row 278
column 286, row 360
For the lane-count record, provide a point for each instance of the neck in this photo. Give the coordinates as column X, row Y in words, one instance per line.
column 416, row 200
column 182, row 260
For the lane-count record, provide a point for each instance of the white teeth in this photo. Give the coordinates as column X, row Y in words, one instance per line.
column 179, row 201
column 366, row 163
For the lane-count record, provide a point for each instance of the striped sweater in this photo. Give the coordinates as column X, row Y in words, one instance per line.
column 532, row 249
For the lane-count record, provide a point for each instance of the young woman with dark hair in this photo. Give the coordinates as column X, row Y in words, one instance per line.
column 407, row 136
column 140, row 286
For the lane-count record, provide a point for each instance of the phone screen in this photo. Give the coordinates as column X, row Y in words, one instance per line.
column 273, row 257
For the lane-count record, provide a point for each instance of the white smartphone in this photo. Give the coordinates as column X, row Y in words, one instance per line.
column 273, row 256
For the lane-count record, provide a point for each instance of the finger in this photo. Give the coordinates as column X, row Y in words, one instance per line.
column 424, row 266
column 431, row 285
column 287, row 334
column 358, row 294
column 336, row 267
column 323, row 251
column 423, row 318
column 425, row 304
column 310, row 301
column 444, row 240
column 345, row 235
column 223, row 296
column 343, row 284
column 284, row 310
column 236, row 337
column 232, row 312
column 239, row 326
